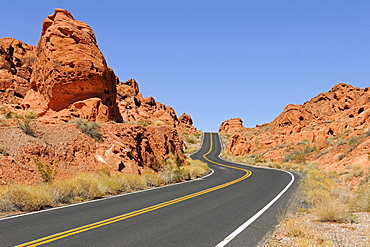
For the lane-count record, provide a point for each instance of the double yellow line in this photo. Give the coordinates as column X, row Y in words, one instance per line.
column 88, row 227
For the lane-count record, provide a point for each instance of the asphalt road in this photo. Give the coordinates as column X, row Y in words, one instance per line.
column 198, row 213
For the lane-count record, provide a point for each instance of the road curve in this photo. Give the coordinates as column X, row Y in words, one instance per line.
column 204, row 212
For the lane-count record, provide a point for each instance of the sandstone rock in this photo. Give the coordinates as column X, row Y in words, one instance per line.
column 16, row 59
column 232, row 125
column 325, row 124
column 127, row 148
column 69, row 67
column 135, row 108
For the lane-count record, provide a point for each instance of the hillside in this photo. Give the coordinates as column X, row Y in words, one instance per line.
column 333, row 129
column 46, row 90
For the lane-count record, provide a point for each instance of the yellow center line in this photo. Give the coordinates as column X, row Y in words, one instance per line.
column 88, row 227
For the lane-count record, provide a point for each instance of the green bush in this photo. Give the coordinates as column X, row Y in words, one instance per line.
column 295, row 155
column 89, row 128
column 47, row 172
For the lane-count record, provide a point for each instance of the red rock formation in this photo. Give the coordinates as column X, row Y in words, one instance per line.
column 232, row 125
column 126, row 148
column 67, row 77
column 147, row 111
column 16, row 59
column 329, row 124
column 70, row 68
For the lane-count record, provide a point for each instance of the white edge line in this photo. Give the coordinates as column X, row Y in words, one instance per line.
column 254, row 217
column 109, row 197
column 258, row 214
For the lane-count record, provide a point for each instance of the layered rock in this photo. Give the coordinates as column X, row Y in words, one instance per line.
column 70, row 69
column 332, row 128
column 16, row 60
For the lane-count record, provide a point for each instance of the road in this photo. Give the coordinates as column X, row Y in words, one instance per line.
column 198, row 213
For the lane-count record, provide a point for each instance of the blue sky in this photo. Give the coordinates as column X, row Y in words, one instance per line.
column 220, row 59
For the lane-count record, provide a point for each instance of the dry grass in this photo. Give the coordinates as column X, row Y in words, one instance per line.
column 192, row 141
column 87, row 186
column 332, row 210
column 299, row 234
column 329, row 198
column 361, row 200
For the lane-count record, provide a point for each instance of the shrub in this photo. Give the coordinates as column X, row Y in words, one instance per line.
column 295, row 155
column 143, row 122
column 303, row 142
column 31, row 115
column 25, row 125
column 3, row 150
column 85, row 186
column 354, row 141
column 367, row 133
column 89, row 128
column 295, row 229
column 361, row 200
column 47, row 172
column 28, row 198
column 357, row 170
column 330, row 141
column 309, row 149
column 332, row 210
column 158, row 123
column 341, row 142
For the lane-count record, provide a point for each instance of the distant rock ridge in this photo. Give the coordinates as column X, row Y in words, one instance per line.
column 326, row 123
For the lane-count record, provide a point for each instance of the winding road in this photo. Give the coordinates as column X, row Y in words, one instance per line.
column 237, row 205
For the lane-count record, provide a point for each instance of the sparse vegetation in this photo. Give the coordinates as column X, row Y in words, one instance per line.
column 47, row 172
column 329, row 198
column 303, row 142
column 3, row 150
column 86, row 186
column 158, row 123
column 89, row 128
column 26, row 126
column 143, row 122
column 192, row 141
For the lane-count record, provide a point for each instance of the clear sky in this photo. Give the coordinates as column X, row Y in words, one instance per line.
column 219, row 59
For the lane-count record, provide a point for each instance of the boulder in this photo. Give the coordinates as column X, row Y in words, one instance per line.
column 69, row 67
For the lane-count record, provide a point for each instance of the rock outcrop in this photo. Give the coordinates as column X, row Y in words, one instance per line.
column 70, row 69
column 66, row 77
column 127, row 148
column 16, row 60
column 332, row 128
column 135, row 108
column 232, row 125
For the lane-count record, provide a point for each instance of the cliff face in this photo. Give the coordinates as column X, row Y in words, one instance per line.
column 71, row 73
column 66, row 77
column 332, row 128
